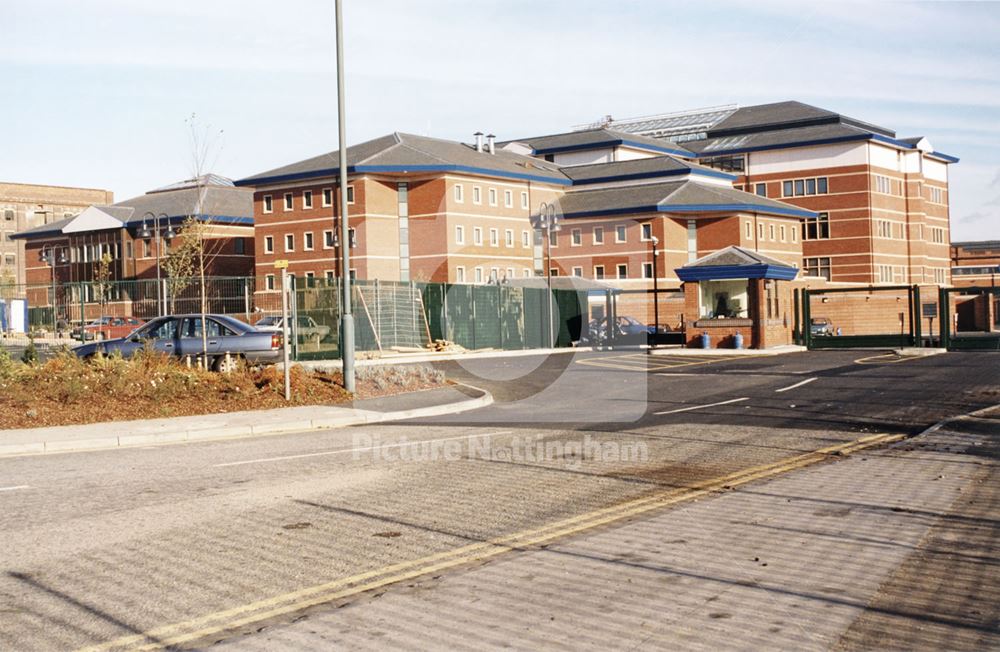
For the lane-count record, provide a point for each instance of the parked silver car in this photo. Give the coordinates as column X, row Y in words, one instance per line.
column 306, row 328
column 181, row 336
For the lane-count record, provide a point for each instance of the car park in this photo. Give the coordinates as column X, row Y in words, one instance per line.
column 106, row 328
column 223, row 342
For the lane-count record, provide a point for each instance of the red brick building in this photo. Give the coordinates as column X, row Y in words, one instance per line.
column 68, row 251
column 881, row 201
column 975, row 263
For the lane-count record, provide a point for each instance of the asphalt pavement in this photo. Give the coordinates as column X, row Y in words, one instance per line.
column 190, row 544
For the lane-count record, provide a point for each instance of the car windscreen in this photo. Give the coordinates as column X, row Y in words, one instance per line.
column 232, row 323
column 268, row 321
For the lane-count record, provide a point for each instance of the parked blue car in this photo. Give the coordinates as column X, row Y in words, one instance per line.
column 181, row 335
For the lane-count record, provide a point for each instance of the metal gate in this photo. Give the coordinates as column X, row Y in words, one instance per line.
column 970, row 318
column 865, row 317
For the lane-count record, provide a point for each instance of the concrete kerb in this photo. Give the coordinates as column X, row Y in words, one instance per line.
column 183, row 435
column 413, row 358
column 777, row 350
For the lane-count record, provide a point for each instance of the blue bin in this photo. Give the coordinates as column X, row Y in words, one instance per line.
column 706, row 341
column 738, row 341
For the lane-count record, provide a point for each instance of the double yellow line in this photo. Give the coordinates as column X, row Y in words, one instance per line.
column 254, row 612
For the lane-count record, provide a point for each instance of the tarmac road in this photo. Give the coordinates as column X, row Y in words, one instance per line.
column 190, row 544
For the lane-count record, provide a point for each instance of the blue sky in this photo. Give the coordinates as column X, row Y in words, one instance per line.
column 98, row 92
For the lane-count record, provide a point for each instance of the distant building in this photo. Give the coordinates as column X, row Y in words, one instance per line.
column 975, row 263
column 25, row 206
column 882, row 202
column 68, row 251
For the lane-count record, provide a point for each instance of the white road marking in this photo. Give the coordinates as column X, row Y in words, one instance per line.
column 20, row 486
column 799, row 384
column 700, row 407
column 340, row 451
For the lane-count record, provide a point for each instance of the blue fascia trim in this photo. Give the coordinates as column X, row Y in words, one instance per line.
column 727, row 272
column 179, row 219
column 945, row 157
column 374, row 169
column 753, row 208
column 36, row 234
column 616, row 142
column 801, row 143
column 614, row 211
column 657, row 174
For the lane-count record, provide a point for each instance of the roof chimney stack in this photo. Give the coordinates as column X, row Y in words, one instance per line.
column 491, row 144
column 479, row 141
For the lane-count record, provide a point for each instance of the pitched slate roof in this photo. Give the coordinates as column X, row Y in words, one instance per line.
column 817, row 134
column 735, row 262
column 688, row 197
column 219, row 204
column 399, row 152
column 593, row 138
column 735, row 255
column 785, row 115
column 640, row 168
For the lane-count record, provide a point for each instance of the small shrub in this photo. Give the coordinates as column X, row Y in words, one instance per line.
column 30, row 355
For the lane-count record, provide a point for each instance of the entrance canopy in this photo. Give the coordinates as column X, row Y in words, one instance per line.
column 736, row 262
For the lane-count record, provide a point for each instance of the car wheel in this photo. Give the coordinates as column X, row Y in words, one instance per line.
column 226, row 364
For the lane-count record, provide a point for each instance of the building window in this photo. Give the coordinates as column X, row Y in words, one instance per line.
column 622, row 270
column 477, row 195
column 937, row 235
column 821, row 185
column 817, row 267
column 459, row 195
column 800, row 187
column 307, row 243
column 620, row 233
column 760, row 231
column 328, row 240
column 289, row 242
column 795, row 235
column 494, row 238
column 525, row 239
column 578, row 271
column 268, row 244
column 935, row 196
column 8, row 215
column 647, row 270
column 288, row 201
column 147, row 251
column 884, row 228
column 576, row 237
column 350, row 194
column 598, row 272
column 508, row 199
column 553, row 271
column 647, row 232
column 748, row 230
column 239, row 247
column 477, row 236
column 728, row 163
column 598, row 235
column 508, row 238
column 460, row 274
column 885, row 274
column 781, row 231
column 268, row 204
column 770, row 232
column 553, row 239
column 307, row 199
column 816, row 228
column 459, row 234
column 352, row 238
column 760, row 189
column 479, row 275
column 524, row 200
column 885, row 185
column 327, row 197
column 269, row 281
column 493, row 196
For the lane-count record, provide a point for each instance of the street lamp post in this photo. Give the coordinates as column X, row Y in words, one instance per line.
column 346, row 318
column 548, row 221
column 653, row 240
column 145, row 234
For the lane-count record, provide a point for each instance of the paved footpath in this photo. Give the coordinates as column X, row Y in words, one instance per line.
column 234, row 425
column 888, row 549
